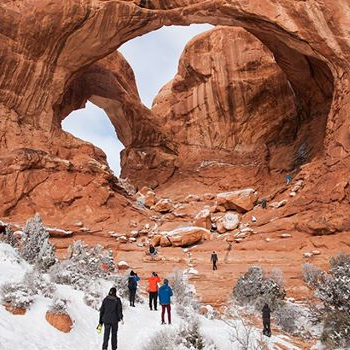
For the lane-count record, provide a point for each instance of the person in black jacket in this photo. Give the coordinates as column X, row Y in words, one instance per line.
column 266, row 320
column 111, row 312
column 214, row 259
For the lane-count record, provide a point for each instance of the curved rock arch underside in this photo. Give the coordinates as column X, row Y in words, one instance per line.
column 56, row 56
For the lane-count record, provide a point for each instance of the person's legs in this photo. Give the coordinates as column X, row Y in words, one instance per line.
column 169, row 313
column 130, row 296
column 106, row 336
column 114, row 336
column 214, row 266
column 163, row 312
column 150, row 300
column 133, row 297
column 155, row 300
column 268, row 328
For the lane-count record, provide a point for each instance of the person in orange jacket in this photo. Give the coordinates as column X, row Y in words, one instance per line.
column 153, row 290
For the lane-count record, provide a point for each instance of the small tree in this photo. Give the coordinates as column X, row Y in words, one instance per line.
column 10, row 238
column 333, row 288
column 36, row 248
column 255, row 288
column 59, row 306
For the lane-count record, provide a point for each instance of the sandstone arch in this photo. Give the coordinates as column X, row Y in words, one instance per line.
column 41, row 61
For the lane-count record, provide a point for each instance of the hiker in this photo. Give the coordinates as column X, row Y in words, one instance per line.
column 214, row 258
column 264, row 203
column 111, row 312
column 165, row 293
column 266, row 320
column 288, row 179
column 132, row 285
column 153, row 290
column 152, row 251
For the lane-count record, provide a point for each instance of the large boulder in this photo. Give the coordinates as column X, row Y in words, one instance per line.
column 241, row 201
column 163, row 206
column 227, row 222
column 184, row 236
column 146, row 197
column 62, row 322
column 203, row 219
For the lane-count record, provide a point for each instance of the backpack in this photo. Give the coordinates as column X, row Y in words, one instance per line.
column 132, row 283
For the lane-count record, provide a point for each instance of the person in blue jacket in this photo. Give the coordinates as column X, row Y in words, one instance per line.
column 132, row 286
column 165, row 293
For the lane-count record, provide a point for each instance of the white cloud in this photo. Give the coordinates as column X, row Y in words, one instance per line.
column 154, row 58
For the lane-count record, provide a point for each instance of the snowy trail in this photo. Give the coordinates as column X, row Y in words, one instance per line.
column 33, row 332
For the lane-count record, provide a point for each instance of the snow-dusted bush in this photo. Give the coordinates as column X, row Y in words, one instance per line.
column 296, row 319
column 121, row 284
column 256, row 289
column 191, row 336
column 59, row 305
column 83, row 266
column 10, row 238
column 17, row 295
column 243, row 336
column 35, row 247
column 37, row 284
column 184, row 295
column 188, row 337
column 162, row 340
column 22, row 294
column 336, row 330
column 94, row 295
column 333, row 289
column 312, row 275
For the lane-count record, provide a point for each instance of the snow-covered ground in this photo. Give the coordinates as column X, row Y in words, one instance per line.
column 32, row 331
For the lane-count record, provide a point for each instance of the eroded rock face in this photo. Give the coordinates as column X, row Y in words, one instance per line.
column 44, row 66
column 229, row 96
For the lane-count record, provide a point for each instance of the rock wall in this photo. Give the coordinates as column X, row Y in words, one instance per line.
column 229, row 98
column 50, row 48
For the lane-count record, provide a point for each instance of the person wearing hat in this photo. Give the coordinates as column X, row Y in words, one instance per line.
column 111, row 313
column 153, row 290
column 165, row 294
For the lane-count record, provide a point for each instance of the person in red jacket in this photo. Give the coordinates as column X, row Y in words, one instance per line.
column 153, row 290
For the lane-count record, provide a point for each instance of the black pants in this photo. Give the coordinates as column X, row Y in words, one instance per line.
column 110, row 328
column 153, row 297
column 267, row 328
column 214, row 265
column 132, row 294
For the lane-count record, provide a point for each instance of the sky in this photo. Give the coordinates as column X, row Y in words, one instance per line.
column 154, row 58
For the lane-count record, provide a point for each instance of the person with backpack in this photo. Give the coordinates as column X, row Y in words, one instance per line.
column 153, row 290
column 214, row 259
column 111, row 313
column 132, row 286
column 165, row 294
column 266, row 312
column 152, row 251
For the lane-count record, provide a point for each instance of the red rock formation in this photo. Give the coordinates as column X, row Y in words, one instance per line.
column 228, row 99
column 15, row 310
column 51, row 65
column 62, row 322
